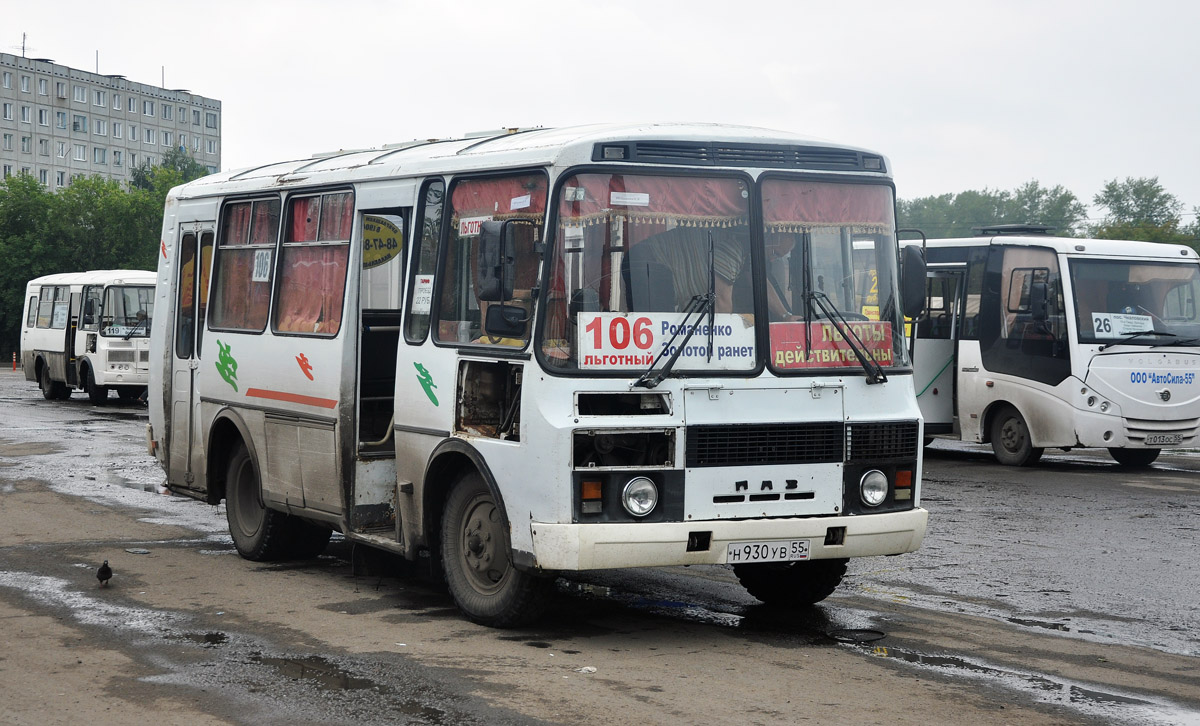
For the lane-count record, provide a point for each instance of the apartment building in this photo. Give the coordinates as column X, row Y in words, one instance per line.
column 59, row 123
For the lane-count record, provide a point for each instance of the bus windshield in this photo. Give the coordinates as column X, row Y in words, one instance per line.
column 127, row 311
column 633, row 254
column 1136, row 302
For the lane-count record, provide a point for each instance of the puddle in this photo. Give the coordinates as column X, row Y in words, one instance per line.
column 320, row 672
column 208, row 640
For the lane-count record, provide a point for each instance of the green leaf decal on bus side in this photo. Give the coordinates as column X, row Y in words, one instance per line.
column 426, row 381
column 226, row 365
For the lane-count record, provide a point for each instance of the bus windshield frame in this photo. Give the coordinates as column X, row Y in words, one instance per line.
column 127, row 311
column 1135, row 302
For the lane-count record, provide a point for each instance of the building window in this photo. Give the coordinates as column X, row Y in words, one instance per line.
column 148, row 108
column 210, row 120
column 25, row 114
column 7, row 79
column 60, row 89
column 116, row 157
column 62, row 149
column 80, row 153
column 79, row 123
column 183, row 142
column 133, row 133
column 8, row 142
column 212, row 146
column 44, row 147
column 100, row 98
column 133, row 160
column 182, row 115
column 7, row 170
column 8, row 112
column 242, row 288
column 132, row 107
column 150, row 136
column 44, row 177
column 116, row 102
column 99, row 155
column 60, row 119
column 101, row 127
column 312, row 264
column 43, row 87
column 168, row 112
column 26, row 144
column 60, row 178
column 25, row 84
column 116, row 129
column 196, row 144
column 80, row 93
column 166, row 137
column 195, row 117
column 43, row 117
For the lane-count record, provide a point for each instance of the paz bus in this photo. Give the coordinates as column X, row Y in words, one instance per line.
column 1031, row 342
column 525, row 353
column 89, row 331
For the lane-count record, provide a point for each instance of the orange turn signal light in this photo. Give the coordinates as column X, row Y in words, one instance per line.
column 590, row 490
column 903, row 479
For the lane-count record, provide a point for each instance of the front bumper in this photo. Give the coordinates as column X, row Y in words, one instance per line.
column 644, row 544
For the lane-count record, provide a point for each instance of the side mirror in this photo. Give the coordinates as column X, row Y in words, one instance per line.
column 496, row 259
column 505, row 321
column 1039, row 300
column 89, row 311
column 912, row 281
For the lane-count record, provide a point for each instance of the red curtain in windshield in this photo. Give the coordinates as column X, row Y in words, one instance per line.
column 709, row 202
column 796, row 206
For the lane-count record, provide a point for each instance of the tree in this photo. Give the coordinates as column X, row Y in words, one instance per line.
column 1140, row 209
column 176, row 159
column 959, row 215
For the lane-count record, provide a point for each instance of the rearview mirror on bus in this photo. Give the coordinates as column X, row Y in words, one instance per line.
column 912, row 282
column 1039, row 300
column 89, row 311
column 505, row 321
column 497, row 259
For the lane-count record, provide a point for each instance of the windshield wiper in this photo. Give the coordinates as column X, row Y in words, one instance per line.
column 136, row 325
column 698, row 306
column 1137, row 334
column 874, row 371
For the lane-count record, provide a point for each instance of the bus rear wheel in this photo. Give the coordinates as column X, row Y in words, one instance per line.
column 259, row 534
column 791, row 584
column 1011, row 441
column 98, row 395
column 52, row 389
column 477, row 561
column 1134, row 457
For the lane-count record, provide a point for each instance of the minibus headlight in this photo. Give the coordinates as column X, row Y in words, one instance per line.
column 640, row 496
column 873, row 488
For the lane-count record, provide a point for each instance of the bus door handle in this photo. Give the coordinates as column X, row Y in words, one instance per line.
column 193, row 363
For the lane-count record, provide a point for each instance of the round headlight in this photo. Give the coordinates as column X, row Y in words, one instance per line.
column 640, row 496
column 873, row 487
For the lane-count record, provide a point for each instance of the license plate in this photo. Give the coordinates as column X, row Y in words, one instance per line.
column 787, row 550
column 1163, row 439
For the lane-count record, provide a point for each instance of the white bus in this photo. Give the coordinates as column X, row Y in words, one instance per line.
column 1032, row 342
column 525, row 353
column 89, row 331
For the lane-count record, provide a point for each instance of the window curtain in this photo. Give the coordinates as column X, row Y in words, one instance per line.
column 799, row 206
column 312, row 283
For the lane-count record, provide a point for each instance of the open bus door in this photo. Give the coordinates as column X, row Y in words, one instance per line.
column 70, row 371
column 936, row 350
column 194, row 265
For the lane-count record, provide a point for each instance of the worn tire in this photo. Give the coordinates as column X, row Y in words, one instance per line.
column 477, row 560
column 791, row 584
column 98, row 395
column 1011, row 441
column 52, row 389
column 1135, row 457
column 259, row 534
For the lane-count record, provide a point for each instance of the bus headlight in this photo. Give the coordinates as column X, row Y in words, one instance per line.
column 873, row 488
column 639, row 497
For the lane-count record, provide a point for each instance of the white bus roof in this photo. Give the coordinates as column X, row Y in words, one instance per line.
column 698, row 144
column 1075, row 246
column 97, row 277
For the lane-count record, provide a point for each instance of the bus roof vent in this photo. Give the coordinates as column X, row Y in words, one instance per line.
column 995, row 230
column 774, row 156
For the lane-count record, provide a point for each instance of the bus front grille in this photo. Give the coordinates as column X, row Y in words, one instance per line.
column 881, row 440
column 758, row 444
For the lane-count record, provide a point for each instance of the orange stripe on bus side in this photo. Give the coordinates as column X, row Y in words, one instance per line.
column 291, row 397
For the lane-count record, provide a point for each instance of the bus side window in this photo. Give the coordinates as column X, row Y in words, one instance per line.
column 31, row 316
column 424, row 261
column 185, row 321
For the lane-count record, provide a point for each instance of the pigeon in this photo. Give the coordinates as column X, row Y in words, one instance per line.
column 104, row 574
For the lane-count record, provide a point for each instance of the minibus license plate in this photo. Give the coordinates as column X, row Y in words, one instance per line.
column 787, row 550
column 1163, row 439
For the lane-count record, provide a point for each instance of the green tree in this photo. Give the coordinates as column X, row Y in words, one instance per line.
column 959, row 215
column 1140, row 209
column 176, row 159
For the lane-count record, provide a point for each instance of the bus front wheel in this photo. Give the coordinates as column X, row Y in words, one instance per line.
column 98, row 395
column 791, row 584
column 1134, row 457
column 477, row 562
column 1011, row 441
column 259, row 534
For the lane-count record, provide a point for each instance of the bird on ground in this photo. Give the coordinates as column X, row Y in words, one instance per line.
column 104, row 574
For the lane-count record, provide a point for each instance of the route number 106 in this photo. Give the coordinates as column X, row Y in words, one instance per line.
column 621, row 333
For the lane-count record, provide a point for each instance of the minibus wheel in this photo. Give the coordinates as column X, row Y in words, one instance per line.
column 791, row 584
column 259, row 534
column 1011, row 442
column 52, row 389
column 477, row 561
column 98, row 395
column 1134, row 457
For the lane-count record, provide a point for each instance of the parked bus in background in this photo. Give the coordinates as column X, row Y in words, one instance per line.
column 89, row 331
column 1032, row 342
column 532, row 352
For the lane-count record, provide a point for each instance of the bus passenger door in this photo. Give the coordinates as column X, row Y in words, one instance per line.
column 72, row 372
column 938, row 331
column 194, row 265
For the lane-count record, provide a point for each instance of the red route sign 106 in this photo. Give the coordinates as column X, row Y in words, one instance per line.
column 826, row 348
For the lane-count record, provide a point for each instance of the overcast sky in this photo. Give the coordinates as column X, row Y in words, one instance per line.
column 959, row 94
